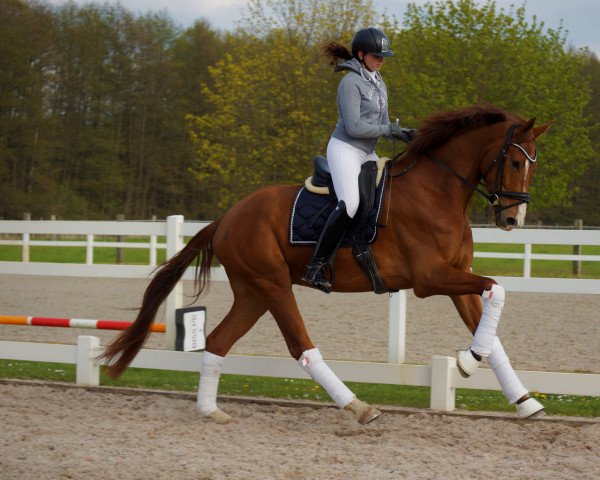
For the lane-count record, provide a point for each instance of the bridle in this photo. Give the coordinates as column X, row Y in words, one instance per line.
column 497, row 192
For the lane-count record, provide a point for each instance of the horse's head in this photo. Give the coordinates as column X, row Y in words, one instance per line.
column 508, row 176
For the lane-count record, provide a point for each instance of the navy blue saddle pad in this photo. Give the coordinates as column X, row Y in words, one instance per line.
column 311, row 210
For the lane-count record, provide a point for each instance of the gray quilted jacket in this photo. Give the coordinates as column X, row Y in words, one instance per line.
column 362, row 107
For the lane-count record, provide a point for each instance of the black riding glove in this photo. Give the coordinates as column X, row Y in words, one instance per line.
column 404, row 134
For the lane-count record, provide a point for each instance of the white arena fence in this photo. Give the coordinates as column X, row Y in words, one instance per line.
column 442, row 375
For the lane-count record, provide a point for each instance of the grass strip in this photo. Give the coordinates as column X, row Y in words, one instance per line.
column 298, row 389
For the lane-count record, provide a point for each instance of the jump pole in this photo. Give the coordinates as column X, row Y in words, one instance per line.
column 73, row 323
column 188, row 328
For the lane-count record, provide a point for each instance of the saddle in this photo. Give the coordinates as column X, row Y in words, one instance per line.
column 316, row 200
column 320, row 181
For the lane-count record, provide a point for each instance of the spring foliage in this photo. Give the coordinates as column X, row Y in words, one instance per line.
column 105, row 112
column 274, row 104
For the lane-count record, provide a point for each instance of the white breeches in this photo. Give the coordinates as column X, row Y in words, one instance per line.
column 344, row 162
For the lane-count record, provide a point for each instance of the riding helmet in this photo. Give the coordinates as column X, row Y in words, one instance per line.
column 371, row 40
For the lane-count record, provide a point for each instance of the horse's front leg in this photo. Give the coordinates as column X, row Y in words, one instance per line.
column 439, row 278
column 470, row 309
column 485, row 333
column 480, row 301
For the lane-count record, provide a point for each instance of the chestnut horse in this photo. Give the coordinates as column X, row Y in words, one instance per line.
column 427, row 245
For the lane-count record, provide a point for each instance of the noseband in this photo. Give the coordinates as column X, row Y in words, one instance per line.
column 494, row 196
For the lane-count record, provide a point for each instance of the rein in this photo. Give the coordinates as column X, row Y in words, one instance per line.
column 405, row 171
column 494, row 196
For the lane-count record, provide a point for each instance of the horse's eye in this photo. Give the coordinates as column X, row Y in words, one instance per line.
column 516, row 164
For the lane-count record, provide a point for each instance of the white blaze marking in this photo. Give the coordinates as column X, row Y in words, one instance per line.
column 522, row 210
column 526, row 174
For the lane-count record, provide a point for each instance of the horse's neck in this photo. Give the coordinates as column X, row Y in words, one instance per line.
column 462, row 155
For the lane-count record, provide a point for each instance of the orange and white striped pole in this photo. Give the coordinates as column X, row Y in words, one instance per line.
column 73, row 323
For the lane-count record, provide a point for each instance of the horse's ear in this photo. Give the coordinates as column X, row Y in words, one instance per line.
column 537, row 131
column 528, row 126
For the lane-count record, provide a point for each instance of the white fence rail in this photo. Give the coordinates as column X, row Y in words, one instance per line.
column 442, row 376
column 443, row 369
column 174, row 229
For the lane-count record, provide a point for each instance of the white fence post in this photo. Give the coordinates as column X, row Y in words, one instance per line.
column 25, row 249
column 577, row 249
column 443, row 393
column 26, row 238
column 89, row 249
column 153, row 250
column 527, row 261
column 397, row 327
column 88, row 373
column 175, row 298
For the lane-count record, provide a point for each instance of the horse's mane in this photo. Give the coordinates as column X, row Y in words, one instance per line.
column 440, row 127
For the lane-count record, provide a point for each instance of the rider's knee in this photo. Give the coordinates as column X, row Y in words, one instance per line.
column 352, row 206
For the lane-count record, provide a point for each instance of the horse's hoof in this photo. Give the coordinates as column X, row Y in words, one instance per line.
column 219, row 416
column 363, row 412
column 466, row 363
column 368, row 416
column 530, row 408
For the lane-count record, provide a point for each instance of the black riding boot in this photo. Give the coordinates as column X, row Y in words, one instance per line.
column 328, row 243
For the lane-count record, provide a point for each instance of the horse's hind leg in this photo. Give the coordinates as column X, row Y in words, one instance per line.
column 244, row 313
column 282, row 305
column 469, row 308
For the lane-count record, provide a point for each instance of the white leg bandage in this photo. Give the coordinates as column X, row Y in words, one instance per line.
column 312, row 363
column 209, row 383
column 511, row 386
column 493, row 302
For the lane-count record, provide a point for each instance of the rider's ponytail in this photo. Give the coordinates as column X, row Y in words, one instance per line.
column 335, row 53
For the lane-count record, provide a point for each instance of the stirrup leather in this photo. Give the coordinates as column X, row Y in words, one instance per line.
column 364, row 256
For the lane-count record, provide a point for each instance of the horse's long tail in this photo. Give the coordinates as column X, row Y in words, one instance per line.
column 122, row 350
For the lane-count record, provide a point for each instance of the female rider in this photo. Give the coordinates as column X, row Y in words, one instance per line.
column 363, row 118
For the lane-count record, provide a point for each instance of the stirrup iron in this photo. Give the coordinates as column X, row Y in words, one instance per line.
column 314, row 275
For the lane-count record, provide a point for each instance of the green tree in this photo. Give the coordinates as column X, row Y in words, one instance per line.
column 273, row 106
column 86, row 169
column 586, row 201
column 92, row 111
column 24, row 69
column 455, row 53
column 124, row 86
column 193, row 52
column 93, row 100
column 273, row 98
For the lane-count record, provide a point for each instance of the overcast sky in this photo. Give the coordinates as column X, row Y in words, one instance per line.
column 580, row 17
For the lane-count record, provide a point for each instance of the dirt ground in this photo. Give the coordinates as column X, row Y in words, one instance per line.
column 57, row 433
column 51, row 433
